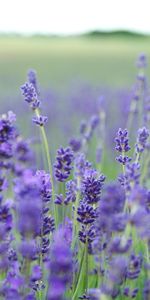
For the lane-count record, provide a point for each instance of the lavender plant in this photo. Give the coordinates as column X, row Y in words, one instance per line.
column 66, row 232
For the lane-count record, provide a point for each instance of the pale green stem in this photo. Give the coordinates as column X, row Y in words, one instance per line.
column 47, row 152
column 124, row 171
column 145, row 167
column 80, row 277
column 131, row 114
column 75, row 213
column 86, row 265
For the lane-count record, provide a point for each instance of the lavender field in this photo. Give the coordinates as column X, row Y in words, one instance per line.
column 74, row 168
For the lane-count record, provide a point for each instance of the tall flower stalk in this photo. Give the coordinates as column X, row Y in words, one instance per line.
column 30, row 95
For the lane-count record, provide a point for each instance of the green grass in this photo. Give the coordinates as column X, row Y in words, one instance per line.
column 106, row 61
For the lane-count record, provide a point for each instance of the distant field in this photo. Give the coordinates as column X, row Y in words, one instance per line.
column 104, row 61
column 63, row 65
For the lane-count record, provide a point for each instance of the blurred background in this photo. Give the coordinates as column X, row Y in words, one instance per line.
column 81, row 50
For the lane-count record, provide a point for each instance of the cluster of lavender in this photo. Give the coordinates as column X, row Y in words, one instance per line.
column 69, row 233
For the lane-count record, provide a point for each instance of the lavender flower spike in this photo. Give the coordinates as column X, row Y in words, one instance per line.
column 63, row 163
column 141, row 62
column 122, row 146
column 30, row 95
column 32, row 78
column 122, row 141
column 40, row 120
column 143, row 135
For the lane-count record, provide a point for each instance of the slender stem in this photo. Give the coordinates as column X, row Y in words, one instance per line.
column 47, row 152
column 83, row 271
column 124, row 171
column 86, row 265
column 145, row 167
column 79, row 280
column 133, row 107
column 148, row 258
column 75, row 213
column 138, row 157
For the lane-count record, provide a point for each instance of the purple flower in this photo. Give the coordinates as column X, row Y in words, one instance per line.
column 113, row 199
column 6, row 215
column 47, row 223
column 23, row 151
column 81, row 165
column 94, row 122
column 138, row 197
column 87, row 130
column 116, row 275
column 122, row 141
column 63, row 163
column 130, row 293
column 60, row 267
column 143, row 135
column 30, row 297
column 3, row 183
column 146, row 290
column 28, row 249
column 131, row 177
column 119, row 245
column 75, row 144
column 36, row 275
column 140, row 218
column 10, row 293
column 30, row 95
column 27, row 189
column 45, row 187
column 32, row 78
column 86, row 213
column 122, row 146
column 68, row 230
column 7, row 130
column 118, row 269
column 84, row 297
column 110, row 216
column 91, row 187
column 59, row 199
column 87, row 234
column 142, row 61
column 40, row 120
column 6, row 150
column 123, row 159
column 134, row 266
column 71, row 190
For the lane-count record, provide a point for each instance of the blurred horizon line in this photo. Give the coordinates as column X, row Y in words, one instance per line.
column 90, row 33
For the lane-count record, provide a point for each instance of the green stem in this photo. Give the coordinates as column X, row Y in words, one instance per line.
column 124, row 172
column 47, row 152
column 80, row 278
column 131, row 114
column 86, row 265
column 147, row 253
column 145, row 167
column 84, row 270
column 75, row 213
